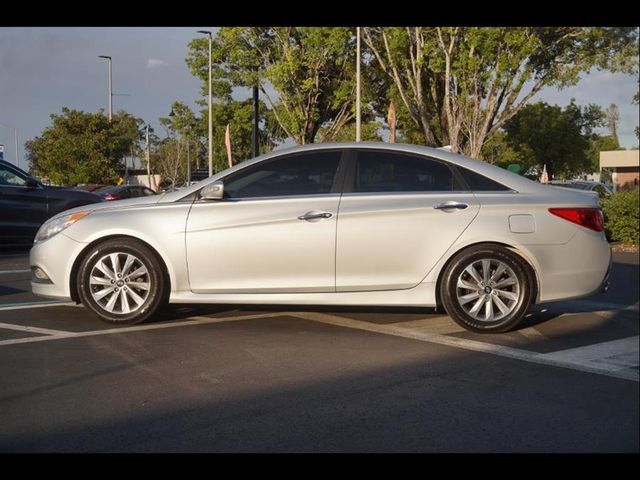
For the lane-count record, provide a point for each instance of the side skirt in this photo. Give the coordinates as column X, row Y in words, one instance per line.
column 422, row 295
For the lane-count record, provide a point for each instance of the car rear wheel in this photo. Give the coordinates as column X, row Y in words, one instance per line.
column 487, row 289
column 121, row 281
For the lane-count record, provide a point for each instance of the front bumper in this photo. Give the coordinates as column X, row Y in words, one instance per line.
column 55, row 258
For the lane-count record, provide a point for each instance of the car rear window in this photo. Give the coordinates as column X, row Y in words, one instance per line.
column 383, row 171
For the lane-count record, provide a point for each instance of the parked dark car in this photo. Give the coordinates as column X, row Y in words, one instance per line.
column 90, row 187
column 25, row 204
column 123, row 191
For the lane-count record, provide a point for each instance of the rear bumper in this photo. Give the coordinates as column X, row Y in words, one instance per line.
column 604, row 286
column 580, row 268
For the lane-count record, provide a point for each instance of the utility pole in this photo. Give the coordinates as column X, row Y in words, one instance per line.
column 188, row 163
column 358, row 124
column 110, row 85
column 15, row 139
column 255, row 145
column 148, row 154
column 210, row 102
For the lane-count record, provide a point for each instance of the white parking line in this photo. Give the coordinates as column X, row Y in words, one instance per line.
column 199, row 320
column 586, row 306
column 22, row 306
column 6, row 272
column 23, row 328
column 616, row 354
column 474, row 345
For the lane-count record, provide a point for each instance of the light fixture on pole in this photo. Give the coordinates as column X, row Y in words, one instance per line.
column 358, row 122
column 110, row 90
column 15, row 139
column 206, row 32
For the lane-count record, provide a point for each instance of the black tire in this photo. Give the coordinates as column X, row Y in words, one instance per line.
column 157, row 285
column 519, row 267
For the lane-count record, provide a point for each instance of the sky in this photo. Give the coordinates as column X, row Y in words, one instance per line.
column 45, row 69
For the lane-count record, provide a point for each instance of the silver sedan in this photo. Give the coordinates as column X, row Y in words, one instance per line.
column 333, row 224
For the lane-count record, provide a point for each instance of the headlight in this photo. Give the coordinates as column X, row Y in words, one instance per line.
column 58, row 224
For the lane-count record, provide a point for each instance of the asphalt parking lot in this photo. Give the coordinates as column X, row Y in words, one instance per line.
column 273, row 379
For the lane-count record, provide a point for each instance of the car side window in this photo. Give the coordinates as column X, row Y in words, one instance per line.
column 381, row 171
column 8, row 177
column 480, row 183
column 310, row 173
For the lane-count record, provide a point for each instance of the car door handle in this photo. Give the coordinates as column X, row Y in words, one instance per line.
column 450, row 204
column 314, row 215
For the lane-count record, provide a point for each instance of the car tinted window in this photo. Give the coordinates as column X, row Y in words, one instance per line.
column 9, row 177
column 147, row 191
column 300, row 174
column 480, row 183
column 380, row 171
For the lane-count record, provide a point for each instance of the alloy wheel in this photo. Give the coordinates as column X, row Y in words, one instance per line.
column 120, row 283
column 488, row 290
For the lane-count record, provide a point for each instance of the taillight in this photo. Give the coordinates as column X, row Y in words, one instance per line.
column 590, row 218
column 111, row 196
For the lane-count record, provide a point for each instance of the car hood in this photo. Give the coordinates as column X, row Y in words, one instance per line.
column 117, row 204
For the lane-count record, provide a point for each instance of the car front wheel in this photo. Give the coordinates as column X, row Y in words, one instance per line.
column 487, row 289
column 121, row 281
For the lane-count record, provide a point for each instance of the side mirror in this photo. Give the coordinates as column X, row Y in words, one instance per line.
column 213, row 191
column 31, row 182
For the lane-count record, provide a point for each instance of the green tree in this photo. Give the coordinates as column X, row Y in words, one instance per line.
column 543, row 134
column 369, row 132
column 460, row 85
column 498, row 151
column 622, row 216
column 80, row 147
column 613, row 118
column 306, row 74
column 169, row 161
column 188, row 127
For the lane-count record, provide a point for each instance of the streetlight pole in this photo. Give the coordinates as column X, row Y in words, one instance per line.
column 358, row 124
column 15, row 139
column 110, row 83
column 206, row 32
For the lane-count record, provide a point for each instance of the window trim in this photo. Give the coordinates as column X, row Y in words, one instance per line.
column 336, row 185
column 350, row 181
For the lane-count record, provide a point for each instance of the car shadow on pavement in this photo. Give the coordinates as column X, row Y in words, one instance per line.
column 360, row 393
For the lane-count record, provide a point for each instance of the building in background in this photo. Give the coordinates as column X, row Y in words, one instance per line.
column 624, row 166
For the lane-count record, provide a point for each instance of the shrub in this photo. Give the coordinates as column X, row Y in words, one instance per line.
column 621, row 216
